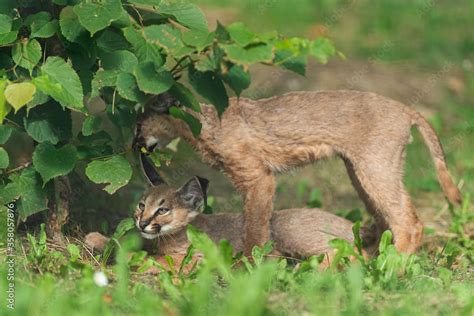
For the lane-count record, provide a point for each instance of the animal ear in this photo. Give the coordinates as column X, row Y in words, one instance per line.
column 193, row 193
column 162, row 103
column 150, row 172
column 204, row 183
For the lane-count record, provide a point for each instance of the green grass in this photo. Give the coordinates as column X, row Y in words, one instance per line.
column 53, row 282
column 58, row 280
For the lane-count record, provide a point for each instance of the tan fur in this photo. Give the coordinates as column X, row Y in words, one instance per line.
column 296, row 232
column 256, row 138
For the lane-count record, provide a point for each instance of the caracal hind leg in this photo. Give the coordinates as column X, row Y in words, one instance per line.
column 258, row 195
column 386, row 197
column 413, row 231
column 374, row 232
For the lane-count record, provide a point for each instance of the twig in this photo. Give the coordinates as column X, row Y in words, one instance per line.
column 92, row 255
column 111, row 155
column 20, row 167
column 178, row 63
column 13, row 123
column 140, row 18
column 113, row 101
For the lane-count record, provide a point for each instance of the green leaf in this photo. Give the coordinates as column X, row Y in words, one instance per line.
column 111, row 41
column 185, row 97
column 241, row 34
column 5, row 108
column 250, row 55
column 128, row 89
column 6, row 62
column 4, row 159
column 144, row 50
column 322, row 49
column 123, row 115
column 116, row 171
column 206, row 63
column 41, row 25
column 103, row 78
column 6, row 23
column 38, row 98
column 28, row 187
column 27, row 54
column 96, row 145
column 49, row 123
column 287, row 59
column 9, row 192
column 41, row 131
column 123, row 227
column 51, row 162
column 357, row 238
column 221, row 33
column 165, row 36
column 210, row 87
column 183, row 51
column 98, row 15
column 198, row 39
column 19, row 94
column 385, row 241
column 296, row 45
column 5, row 133
column 187, row 14
column 83, row 55
column 192, row 122
column 33, row 197
column 10, row 37
column 7, row 6
column 151, row 81
column 146, row 2
column 74, row 252
column 61, row 82
column 237, row 78
column 122, row 60
column 71, row 29
column 91, row 125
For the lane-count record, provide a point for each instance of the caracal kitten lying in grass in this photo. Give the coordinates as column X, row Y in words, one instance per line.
column 164, row 212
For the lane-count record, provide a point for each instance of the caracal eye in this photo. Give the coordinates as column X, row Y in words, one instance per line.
column 162, row 211
column 141, row 206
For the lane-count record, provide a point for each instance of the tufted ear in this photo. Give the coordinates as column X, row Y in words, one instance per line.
column 150, row 172
column 204, row 186
column 193, row 194
column 161, row 103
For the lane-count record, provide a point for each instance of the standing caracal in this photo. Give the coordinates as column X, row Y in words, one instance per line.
column 254, row 139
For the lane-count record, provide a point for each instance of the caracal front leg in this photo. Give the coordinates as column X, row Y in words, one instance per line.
column 258, row 206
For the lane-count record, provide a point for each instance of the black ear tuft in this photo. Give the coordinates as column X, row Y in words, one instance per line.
column 204, row 183
column 193, row 193
column 161, row 103
column 150, row 172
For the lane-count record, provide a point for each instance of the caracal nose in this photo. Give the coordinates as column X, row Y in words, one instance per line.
column 143, row 224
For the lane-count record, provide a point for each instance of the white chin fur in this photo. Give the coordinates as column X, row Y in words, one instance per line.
column 167, row 229
column 151, row 141
column 149, row 236
column 192, row 215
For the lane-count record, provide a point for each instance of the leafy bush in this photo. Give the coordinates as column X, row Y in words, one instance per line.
column 99, row 62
